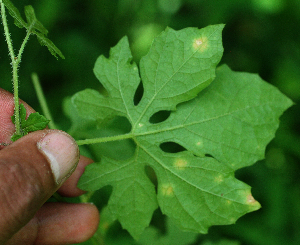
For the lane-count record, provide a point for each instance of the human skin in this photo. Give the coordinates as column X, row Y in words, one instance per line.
column 27, row 181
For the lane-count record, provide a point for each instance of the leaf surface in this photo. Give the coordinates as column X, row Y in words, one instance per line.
column 14, row 12
column 33, row 26
column 222, row 127
column 34, row 122
column 172, row 236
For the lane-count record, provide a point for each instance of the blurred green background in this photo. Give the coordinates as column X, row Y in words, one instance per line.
column 261, row 36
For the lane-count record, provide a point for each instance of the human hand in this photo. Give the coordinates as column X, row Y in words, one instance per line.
column 31, row 170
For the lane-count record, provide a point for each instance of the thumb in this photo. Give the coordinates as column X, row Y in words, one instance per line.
column 31, row 170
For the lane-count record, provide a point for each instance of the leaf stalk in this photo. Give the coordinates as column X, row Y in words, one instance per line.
column 105, row 139
column 42, row 100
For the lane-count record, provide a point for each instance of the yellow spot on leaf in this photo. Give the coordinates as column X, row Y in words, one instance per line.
column 167, row 190
column 251, row 200
column 199, row 143
column 200, row 44
column 219, row 178
column 180, row 164
column 253, row 204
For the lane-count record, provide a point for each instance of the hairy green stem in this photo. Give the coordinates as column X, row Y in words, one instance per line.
column 22, row 47
column 42, row 99
column 16, row 99
column 14, row 63
column 6, row 31
column 104, row 139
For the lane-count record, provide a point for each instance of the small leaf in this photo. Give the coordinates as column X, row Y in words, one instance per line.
column 33, row 26
column 14, row 12
column 50, row 45
column 34, row 122
column 32, row 21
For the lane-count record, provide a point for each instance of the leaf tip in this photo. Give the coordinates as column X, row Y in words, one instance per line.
column 255, row 205
column 202, row 43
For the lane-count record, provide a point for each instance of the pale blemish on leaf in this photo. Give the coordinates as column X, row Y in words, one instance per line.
column 200, row 44
column 167, row 190
column 232, row 220
column 228, row 202
column 199, row 144
column 251, row 200
column 180, row 164
column 219, row 178
column 253, row 204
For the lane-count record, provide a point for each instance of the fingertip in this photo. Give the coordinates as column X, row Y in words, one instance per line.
column 62, row 153
column 71, row 223
column 92, row 216
column 59, row 223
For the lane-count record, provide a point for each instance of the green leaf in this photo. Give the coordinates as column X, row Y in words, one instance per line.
column 50, row 45
column 14, row 12
column 222, row 242
column 173, row 236
column 32, row 21
column 226, row 127
column 33, row 26
column 34, row 122
column 84, row 128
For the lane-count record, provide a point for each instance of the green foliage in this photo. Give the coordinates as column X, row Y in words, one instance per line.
column 221, row 242
column 33, row 26
column 34, row 122
column 226, row 127
column 173, row 236
column 254, row 33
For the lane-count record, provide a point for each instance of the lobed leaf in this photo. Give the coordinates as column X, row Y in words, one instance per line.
column 172, row 236
column 32, row 21
column 222, row 127
column 33, row 26
column 50, row 45
column 34, row 122
column 14, row 12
